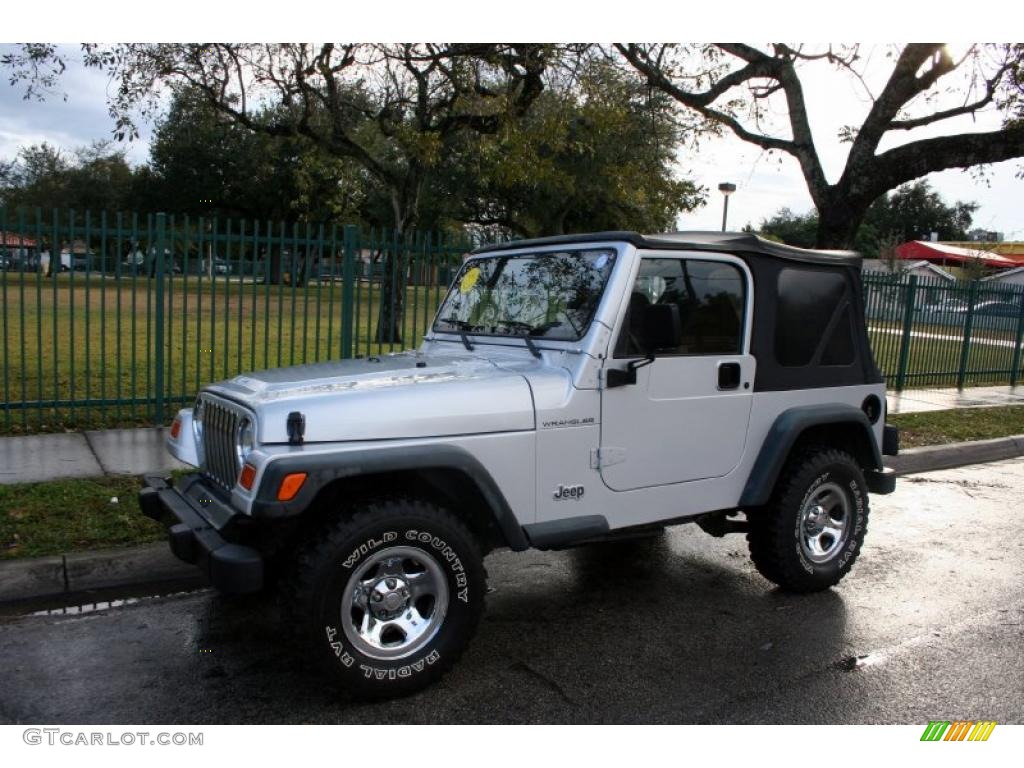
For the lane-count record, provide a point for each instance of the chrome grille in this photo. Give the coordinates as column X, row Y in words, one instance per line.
column 220, row 457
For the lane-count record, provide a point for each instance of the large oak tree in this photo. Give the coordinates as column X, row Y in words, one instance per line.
column 734, row 86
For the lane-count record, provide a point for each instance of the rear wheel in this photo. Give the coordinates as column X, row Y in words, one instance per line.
column 389, row 597
column 809, row 535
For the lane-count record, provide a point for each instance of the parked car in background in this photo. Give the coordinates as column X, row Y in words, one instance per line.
column 84, row 262
column 55, row 266
column 23, row 261
column 997, row 309
column 138, row 263
column 946, row 305
column 327, row 270
column 989, row 313
column 996, row 314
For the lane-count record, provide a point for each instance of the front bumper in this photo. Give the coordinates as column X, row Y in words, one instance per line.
column 195, row 516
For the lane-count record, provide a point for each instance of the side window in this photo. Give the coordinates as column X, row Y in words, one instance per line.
column 710, row 296
column 813, row 322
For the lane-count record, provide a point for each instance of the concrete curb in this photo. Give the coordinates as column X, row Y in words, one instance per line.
column 45, row 577
column 935, row 457
column 48, row 577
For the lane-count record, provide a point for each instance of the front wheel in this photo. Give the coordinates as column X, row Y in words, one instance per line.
column 390, row 596
column 809, row 535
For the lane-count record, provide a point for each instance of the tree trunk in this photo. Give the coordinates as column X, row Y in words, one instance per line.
column 391, row 314
column 838, row 222
column 272, row 267
column 300, row 269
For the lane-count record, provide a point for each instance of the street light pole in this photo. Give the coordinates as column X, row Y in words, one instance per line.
column 726, row 189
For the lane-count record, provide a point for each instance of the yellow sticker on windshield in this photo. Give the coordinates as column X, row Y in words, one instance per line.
column 469, row 280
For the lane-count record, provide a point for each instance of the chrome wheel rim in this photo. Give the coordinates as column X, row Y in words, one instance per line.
column 395, row 603
column 824, row 523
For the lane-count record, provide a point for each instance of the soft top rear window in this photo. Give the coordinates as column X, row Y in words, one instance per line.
column 809, row 301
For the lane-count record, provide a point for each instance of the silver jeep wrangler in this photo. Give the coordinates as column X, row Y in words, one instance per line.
column 571, row 390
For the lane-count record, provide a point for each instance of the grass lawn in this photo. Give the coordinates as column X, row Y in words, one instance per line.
column 939, row 427
column 62, row 516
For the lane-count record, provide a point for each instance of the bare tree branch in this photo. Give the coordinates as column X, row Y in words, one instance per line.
column 916, row 73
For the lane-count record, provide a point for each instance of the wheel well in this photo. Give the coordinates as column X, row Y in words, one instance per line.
column 449, row 488
column 845, row 436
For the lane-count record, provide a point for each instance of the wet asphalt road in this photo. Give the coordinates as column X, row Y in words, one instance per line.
column 679, row 630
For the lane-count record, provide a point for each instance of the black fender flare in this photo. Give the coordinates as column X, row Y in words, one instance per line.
column 784, row 432
column 324, row 468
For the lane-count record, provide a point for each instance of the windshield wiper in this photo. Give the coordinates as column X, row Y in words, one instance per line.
column 527, row 331
column 462, row 326
column 530, row 345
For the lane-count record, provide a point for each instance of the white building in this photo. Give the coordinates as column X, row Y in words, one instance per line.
column 1007, row 277
column 920, row 268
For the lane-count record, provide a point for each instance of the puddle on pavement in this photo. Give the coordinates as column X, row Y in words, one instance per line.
column 853, row 663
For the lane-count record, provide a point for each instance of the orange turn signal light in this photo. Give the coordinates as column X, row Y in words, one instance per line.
column 175, row 428
column 247, row 477
column 290, row 486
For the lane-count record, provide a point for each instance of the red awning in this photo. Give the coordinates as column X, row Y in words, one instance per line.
column 939, row 253
column 14, row 240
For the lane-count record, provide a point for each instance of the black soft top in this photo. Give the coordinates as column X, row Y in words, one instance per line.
column 729, row 242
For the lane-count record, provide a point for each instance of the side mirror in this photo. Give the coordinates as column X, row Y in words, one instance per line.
column 662, row 329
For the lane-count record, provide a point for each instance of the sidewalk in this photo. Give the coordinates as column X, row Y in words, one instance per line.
column 918, row 400
column 38, row 458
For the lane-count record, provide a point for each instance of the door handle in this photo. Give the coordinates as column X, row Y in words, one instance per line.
column 728, row 375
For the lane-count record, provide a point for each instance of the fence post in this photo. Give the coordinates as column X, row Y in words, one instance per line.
column 158, row 319
column 348, row 276
column 908, row 325
column 1017, row 341
column 965, row 349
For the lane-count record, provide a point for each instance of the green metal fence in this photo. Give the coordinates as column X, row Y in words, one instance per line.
column 117, row 319
column 932, row 332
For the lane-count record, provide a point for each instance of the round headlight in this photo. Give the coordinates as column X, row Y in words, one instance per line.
column 246, row 439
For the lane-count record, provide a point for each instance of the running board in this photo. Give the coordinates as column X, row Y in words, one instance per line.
column 556, row 534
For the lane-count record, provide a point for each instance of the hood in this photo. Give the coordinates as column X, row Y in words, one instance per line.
column 405, row 395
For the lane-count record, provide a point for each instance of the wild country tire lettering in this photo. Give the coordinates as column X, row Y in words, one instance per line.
column 858, row 522
column 368, row 546
column 420, row 537
column 379, row 673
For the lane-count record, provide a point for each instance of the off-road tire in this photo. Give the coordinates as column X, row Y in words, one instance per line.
column 776, row 530
column 357, row 538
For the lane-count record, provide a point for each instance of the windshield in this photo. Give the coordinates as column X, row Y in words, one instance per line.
column 549, row 295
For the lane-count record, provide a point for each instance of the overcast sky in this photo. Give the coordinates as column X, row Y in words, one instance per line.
column 764, row 184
